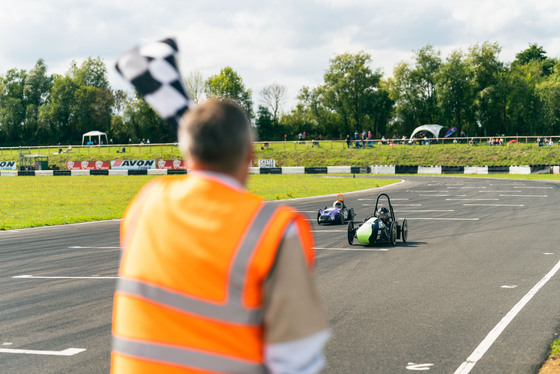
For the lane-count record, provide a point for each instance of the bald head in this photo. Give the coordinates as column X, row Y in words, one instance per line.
column 216, row 134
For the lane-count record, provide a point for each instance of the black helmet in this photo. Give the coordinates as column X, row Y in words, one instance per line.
column 383, row 213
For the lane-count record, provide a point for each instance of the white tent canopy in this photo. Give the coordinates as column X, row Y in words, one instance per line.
column 94, row 134
column 434, row 129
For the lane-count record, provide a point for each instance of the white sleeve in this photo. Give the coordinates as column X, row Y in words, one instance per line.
column 303, row 356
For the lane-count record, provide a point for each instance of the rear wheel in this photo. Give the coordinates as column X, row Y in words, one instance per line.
column 351, row 232
column 393, row 233
column 404, row 231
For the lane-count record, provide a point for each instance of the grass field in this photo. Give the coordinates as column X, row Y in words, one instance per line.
column 42, row 201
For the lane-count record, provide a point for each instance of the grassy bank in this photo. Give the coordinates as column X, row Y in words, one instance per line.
column 44, row 201
column 326, row 154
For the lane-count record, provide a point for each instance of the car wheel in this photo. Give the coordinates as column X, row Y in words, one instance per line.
column 318, row 216
column 404, row 231
column 351, row 232
column 341, row 219
column 393, row 233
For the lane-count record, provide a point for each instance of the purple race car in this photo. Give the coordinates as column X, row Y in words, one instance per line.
column 337, row 214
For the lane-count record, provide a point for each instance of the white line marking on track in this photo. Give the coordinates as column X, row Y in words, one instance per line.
column 472, row 199
column 59, row 277
column 493, row 205
column 357, row 249
column 424, row 211
column 418, row 367
column 509, row 286
column 524, row 195
column 329, row 230
column 376, row 199
column 442, row 219
column 87, row 247
column 436, row 195
column 498, row 191
column 467, row 187
column 394, row 204
column 477, row 354
column 66, row 352
column 534, row 187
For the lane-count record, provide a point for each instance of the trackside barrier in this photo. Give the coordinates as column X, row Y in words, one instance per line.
column 452, row 169
column 373, row 169
column 382, row 169
column 177, row 171
column 80, row 172
column 316, row 170
column 44, row 173
column 476, row 169
column 540, row 169
column 339, row 170
column 119, row 172
column 293, row 170
column 271, row 170
column 406, row 169
column 360, row 170
column 520, row 170
column 152, row 172
column 498, row 169
column 429, row 169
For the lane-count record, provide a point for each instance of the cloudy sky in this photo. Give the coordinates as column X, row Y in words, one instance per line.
column 288, row 42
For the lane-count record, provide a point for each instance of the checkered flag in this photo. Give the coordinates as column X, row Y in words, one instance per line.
column 153, row 71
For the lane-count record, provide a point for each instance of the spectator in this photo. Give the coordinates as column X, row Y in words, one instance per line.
column 348, row 141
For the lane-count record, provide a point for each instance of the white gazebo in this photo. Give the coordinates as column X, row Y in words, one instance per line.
column 433, row 129
column 94, row 134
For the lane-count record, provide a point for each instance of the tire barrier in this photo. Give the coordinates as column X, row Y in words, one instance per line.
column 373, row 169
column 498, row 169
column 316, row 170
column 406, row 169
column 270, row 171
column 452, row 169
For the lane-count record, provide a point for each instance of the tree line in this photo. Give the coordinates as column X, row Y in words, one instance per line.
column 473, row 91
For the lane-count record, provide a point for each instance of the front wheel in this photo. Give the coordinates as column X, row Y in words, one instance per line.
column 404, row 231
column 351, row 232
column 393, row 233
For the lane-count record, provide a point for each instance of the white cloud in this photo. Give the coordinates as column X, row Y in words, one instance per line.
column 287, row 42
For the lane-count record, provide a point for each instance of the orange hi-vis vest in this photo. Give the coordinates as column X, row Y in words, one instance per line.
column 190, row 294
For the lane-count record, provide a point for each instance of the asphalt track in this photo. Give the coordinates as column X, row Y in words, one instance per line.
column 475, row 290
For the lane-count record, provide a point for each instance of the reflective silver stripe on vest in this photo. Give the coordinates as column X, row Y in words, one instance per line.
column 233, row 310
column 185, row 357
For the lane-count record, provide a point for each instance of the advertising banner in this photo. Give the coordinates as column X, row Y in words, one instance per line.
column 171, row 164
column 133, row 164
column 8, row 165
column 88, row 165
column 267, row 163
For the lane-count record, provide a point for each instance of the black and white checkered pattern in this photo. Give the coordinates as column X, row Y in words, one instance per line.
column 152, row 70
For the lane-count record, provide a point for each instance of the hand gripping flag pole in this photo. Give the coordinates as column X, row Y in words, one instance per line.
column 152, row 70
